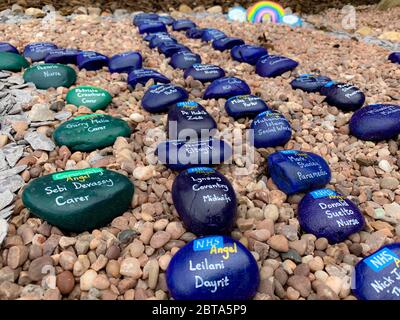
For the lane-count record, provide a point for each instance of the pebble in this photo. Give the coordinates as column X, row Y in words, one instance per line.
column 130, row 267
column 65, row 282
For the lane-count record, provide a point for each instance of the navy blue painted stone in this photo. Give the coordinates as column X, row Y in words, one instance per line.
column 377, row 277
column 161, row 39
column 143, row 75
column 309, row 82
column 167, row 20
column 152, row 27
column 159, row 98
column 184, row 59
column 189, row 119
column 125, row 62
column 168, row 49
column 183, row 24
column 91, row 60
column 226, row 43
column 140, row 17
column 204, row 72
column 271, row 129
column 194, row 33
column 326, row 213
column 395, row 57
column 245, row 106
column 345, row 96
column 248, row 53
column 182, row 154
column 63, row 56
column 7, row 47
column 376, row 122
column 226, row 87
column 213, row 268
column 298, row 171
column 37, row 51
column 273, row 66
column 212, row 34
column 149, row 36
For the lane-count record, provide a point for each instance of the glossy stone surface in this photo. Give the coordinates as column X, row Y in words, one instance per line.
column 226, row 87
column 91, row 60
column 194, row 33
column 394, row 57
column 248, row 53
column 37, row 51
column 168, row 49
column 143, row 75
column 161, row 39
column 204, row 72
column 143, row 16
column 226, row 43
column 167, row 20
column 183, row 24
column 7, row 47
column 309, row 82
column 183, row 60
column 12, row 62
column 63, row 56
column 211, row 35
column 152, row 27
column 125, row 62
column 159, row 98
column 50, row 75
column 92, row 97
column 345, row 96
column 273, row 66
column 245, row 106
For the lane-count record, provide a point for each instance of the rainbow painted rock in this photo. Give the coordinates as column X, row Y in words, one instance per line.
column 63, row 56
column 184, row 59
column 204, row 72
column 345, row 96
column 226, row 87
column 394, row 57
column 309, row 82
column 226, row 43
column 159, row 98
column 91, row 97
column 183, row 24
column 143, row 75
column 37, row 51
column 12, row 61
column 91, row 60
column 7, row 47
column 212, row 34
column 273, row 66
column 213, row 268
column 49, row 75
column 125, row 62
column 248, row 53
column 245, row 106
column 265, row 11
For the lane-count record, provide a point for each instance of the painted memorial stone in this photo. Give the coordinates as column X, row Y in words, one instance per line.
column 248, row 53
column 140, row 17
column 226, row 43
column 377, row 277
column 309, row 82
column 37, row 51
column 183, row 24
column 169, row 48
column 92, row 97
column 125, row 62
column 90, row 132
column 245, row 106
column 152, row 27
column 376, row 122
column 167, row 20
column 270, row 129
column 204, row 72
column 10, row 61
column 212, row 34
column 184, row 60
column 394, row 57
column 143, row 75
column 7, row 47
column 273, row 66
column 63, row 56
column 189, row 119
column 159, row 98
column 325, row 213
column 49, row 75
column 226, row 87
column 91, row 60
column 345, row 96
column 194, row 33
column 182, row 154
column 161, row 39
column 205, row 200
column 213, row 268
column 149, row 36
column 298, row 171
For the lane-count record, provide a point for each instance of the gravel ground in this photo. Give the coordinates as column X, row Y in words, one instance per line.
column 88, row 265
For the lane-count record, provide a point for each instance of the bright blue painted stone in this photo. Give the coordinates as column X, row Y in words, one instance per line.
column 7, row 47
column 248, row 53
column 152, row 27
column 63, row 56
column 212, row 34
column 194, row 33
column 245, row 106
column 189, row 119
column 226, row 87
column 184, row 59
column 213, row 268
column 376, row 122
column 161, row 39
column 159, row 98
column 91, row 60
column 183, row 24
column 298, row 171
column 37, row 51
column 327, row 214
column 168, row 49
column 205, row 200
column 143, row 75
column 226, row 43
column 377, row 277
column 125, row 62
column 182, row 154
column 273, row 66
column 167, row 20
column 309, row 82
column 345, row 96
column 140, row 17
column 271, row 129
column 395, row 57
column 204, row 72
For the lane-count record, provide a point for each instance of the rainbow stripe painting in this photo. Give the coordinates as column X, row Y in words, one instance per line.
column 265, row 11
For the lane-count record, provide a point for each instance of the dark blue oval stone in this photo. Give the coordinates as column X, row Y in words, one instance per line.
column 226, row 43
column 91, row 60
column 226, row 87
column 204, row 72
column 298, row 171
column 7, row 47
column 161, row 39
column 189, row 119
column 377, row 277
column 194, row 33
column 167, row 20
column 63, row 56
column 152, row 27
column 325, row 213
column 309, row 82
column 149, row 36
column 245, row 106
column 212, row 34
column 376, row 122
column 37, row 51
column 182, row 154
column 184, row 59
column 345, row 96
column 159, row 98
column 183, row 24
column 213, row 268
column 140, row 17
column 248, row 53
column 143, row 75
column 168, row 49
column 394, row 57
column 273, row 66
column 125, row 62
column 271, row 129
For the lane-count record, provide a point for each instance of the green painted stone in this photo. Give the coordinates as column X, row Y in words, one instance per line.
column 50, row 75
column 88, row 96
column 90, row 132
column 12, row 62
column 79, row 200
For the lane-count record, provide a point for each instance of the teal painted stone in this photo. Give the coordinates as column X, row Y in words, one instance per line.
column 12, row 62
column 79, row 200
column 92, row 97
column 49, row 75
column 90, row 132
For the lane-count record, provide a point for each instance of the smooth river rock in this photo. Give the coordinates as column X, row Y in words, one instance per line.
column 49, row 75
column 92, row 97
